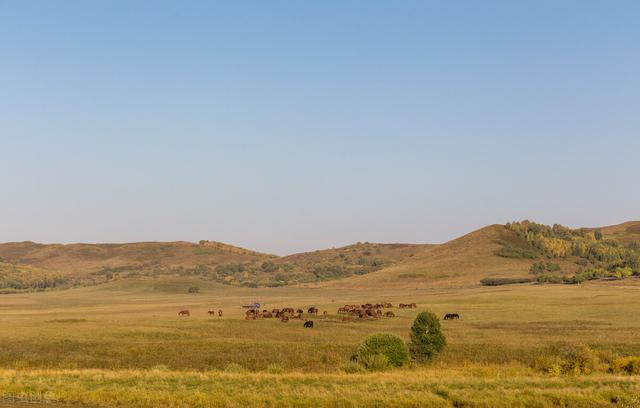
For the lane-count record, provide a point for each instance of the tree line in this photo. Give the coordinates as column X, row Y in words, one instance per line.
column 598, row 256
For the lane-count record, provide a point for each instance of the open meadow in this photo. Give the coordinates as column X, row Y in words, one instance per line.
column 123, row 344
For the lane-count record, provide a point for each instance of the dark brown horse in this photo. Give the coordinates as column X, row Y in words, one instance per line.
column 183, row 313
column 219, row 312
column 451, row 316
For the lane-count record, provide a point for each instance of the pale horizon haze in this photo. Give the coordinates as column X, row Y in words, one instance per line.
column 293, row 126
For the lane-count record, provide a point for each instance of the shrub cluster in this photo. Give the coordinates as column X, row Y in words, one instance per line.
column 572, row 359
column 629, row 365
column 580, row 359
column 504, row 281
column 382, row 350
column 558, row 241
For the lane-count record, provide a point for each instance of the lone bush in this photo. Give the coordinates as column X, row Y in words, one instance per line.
column 574, row 359
column 387, row 345
column 579, row 359
column 427, row 339
column 629, row 365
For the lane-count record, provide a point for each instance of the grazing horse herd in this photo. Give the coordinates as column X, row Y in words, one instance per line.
column 349, row 312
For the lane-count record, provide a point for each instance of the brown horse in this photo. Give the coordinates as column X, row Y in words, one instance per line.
column 313, row 310
column 212, row 312
column 219, row 312
column 389, row 314
column 183, row 313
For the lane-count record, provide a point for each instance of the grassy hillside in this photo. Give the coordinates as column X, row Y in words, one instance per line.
column 626, row 233
column 496, row 253
column 517, row 252
column 461, row 262
column 211, row 261
column 95, row 263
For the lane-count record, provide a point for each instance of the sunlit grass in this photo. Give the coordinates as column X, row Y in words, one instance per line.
column 125, row 345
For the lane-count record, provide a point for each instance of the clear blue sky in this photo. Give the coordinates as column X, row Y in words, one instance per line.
column 285, row 125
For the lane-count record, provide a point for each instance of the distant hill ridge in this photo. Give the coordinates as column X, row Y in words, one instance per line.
column 461, row 262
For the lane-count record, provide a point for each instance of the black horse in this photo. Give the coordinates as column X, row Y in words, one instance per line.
column 450, row 316
column 308, row 324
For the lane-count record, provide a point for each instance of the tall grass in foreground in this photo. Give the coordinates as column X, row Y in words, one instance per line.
column 472, row 386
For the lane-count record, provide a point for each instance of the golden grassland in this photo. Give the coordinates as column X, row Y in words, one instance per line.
column 122, row 344
column 477, row 386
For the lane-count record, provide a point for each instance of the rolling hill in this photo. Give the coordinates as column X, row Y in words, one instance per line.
column 495, row 251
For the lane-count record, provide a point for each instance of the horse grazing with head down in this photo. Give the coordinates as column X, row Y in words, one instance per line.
column 183, row 313
column 308, row 324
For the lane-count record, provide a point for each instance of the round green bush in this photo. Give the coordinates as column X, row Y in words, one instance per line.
column 427, row 339
column 386, row 344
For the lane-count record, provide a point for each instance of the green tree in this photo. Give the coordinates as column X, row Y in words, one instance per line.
column 427, row 338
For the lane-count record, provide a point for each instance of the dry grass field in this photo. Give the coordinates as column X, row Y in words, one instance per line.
column 122, row 344
column 118, row 340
